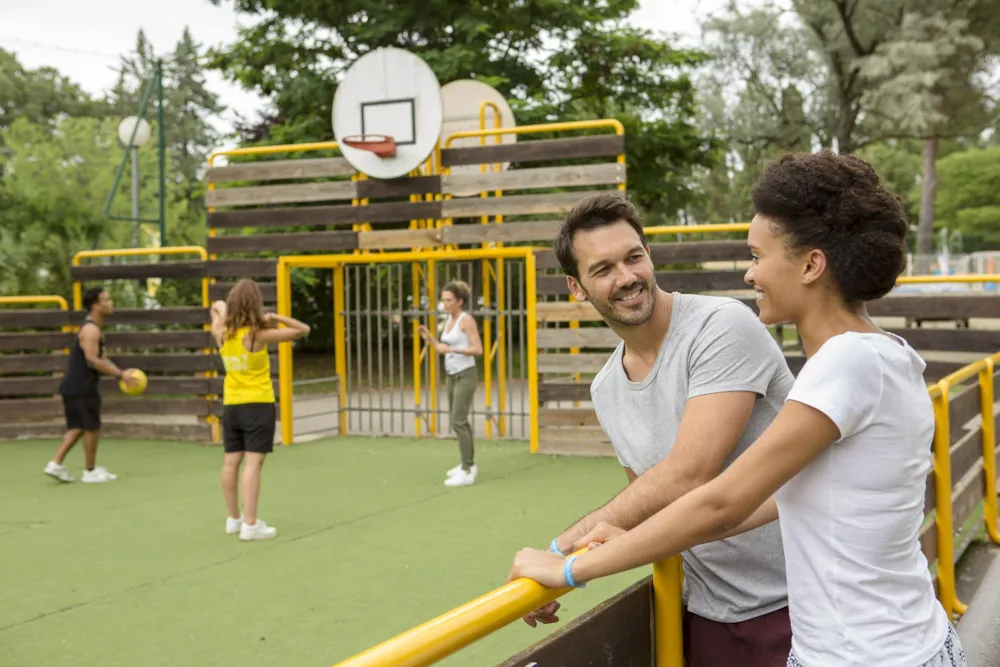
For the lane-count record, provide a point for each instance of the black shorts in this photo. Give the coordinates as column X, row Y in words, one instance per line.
column 249, row 427
column 82, row 412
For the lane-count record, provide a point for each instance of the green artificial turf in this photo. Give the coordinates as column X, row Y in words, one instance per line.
column 140, row 573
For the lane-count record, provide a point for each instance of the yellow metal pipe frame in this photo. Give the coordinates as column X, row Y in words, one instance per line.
column 942, row 491
column 668, row 576
column 288, row 262
column 340, row 344
column 986, row 401
column 567, row 126
column 432, row 379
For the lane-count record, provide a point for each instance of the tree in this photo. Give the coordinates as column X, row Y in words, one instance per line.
column 553, row 59
column 968, row 196
column 53, row 197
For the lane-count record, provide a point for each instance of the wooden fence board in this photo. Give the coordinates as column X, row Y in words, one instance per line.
column 563, row 176
column 268, row 291
column 963, row 405
column 38, row 340
column 399, row 238
column 966, row 453
column 567, row 417
column 41, row 385
column 295, row 193
column 302, row 241
column 571, row 363
column 938, row 306
column 138, row 271
column 13, row 410
column 563, row 391
column 685, row 252
column 33, row 317
column 242, row 268
column 959, row 340
column 680, row 281
column 374, row 188
column 387, row 212
column 541, row 230
column 191, row 315
column 566, row 311
column 557, row 202
column 32, row 363
column 599, row 337
column 111, row 429
column 279, row 170
column 154, row 340
column 284, row 217
column 538, row 150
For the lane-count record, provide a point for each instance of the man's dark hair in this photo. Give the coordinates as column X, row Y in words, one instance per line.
column 91, row 296
column 594, row 212
column 836, row 203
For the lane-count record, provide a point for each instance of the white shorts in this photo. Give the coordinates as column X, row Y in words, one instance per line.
column 950, row 655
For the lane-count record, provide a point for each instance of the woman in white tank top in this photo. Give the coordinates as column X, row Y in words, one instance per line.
column 460, row 344
column 845, row 461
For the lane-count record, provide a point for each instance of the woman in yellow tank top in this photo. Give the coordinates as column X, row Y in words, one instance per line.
column 242, row 330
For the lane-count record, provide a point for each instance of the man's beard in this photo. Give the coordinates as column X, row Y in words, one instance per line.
column 615, row 312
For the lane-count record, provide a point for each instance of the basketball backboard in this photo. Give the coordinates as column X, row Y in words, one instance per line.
column 388, row 92
column 463, row 100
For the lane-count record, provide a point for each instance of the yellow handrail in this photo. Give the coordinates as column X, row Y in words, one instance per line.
column 566, row 126
column 44, row 298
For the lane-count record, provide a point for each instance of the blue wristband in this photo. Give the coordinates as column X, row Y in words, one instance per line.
column 554, row 548
column 568, row 574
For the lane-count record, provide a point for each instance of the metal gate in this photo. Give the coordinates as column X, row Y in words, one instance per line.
column 390, row 382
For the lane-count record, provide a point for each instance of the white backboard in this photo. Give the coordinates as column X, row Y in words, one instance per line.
column 463, row 100
column 392, row 92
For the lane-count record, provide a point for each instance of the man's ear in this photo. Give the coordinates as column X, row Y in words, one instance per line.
column 574, row 288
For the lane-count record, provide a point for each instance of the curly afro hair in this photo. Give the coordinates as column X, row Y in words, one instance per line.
column 836, row 203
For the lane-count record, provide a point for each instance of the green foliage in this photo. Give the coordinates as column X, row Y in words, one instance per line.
column 968, row 196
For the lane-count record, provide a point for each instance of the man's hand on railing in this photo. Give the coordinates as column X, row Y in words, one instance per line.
column 546, row 568
column 601, row 533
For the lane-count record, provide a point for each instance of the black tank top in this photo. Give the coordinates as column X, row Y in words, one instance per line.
column 80, row 379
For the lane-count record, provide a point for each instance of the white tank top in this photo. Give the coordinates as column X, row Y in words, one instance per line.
column 454, row 362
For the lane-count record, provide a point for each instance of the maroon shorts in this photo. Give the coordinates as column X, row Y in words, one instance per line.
column 764, row 641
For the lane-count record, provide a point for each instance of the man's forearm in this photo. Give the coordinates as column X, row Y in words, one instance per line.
column 641, row 499
column 105, row 366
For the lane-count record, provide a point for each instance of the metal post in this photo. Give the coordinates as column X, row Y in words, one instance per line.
column 432, row 386
column 340, row 343
column 942, row 487
column 135, row 197
column 161, row 143
column 418, row 348
column 667, row 595
column 989, row 449
column 531, row 295
column 285, row 354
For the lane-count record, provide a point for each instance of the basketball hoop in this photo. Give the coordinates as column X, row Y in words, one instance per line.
column 380, row 144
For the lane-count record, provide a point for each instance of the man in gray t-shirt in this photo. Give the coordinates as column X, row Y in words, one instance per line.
column 695, row 380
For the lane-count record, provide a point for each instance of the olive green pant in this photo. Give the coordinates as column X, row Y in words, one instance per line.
column 461, row 391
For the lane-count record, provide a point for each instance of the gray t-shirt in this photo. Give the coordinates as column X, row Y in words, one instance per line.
column 714, row 344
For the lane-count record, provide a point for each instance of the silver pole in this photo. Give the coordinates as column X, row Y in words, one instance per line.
column 135, row 197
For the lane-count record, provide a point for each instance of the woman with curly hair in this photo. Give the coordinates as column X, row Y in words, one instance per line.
column 242, row 331
column 845, row 461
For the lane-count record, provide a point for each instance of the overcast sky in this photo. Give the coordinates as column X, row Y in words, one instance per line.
column 82, row 39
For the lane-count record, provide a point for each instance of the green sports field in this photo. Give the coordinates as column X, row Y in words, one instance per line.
column 139, row 572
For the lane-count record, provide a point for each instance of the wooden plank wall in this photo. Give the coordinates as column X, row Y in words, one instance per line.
column 260, row 210
column 33, row 350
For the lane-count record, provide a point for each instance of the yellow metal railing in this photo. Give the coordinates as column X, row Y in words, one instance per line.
column 337, row 262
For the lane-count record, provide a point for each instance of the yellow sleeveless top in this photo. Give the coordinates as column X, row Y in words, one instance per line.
column 248, row 374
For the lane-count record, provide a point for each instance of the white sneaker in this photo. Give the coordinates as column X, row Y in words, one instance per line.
column 97, row 475
column 58, row 471
column 462, row 478
column 457, row 469
column 258, row 531
column 233, row 525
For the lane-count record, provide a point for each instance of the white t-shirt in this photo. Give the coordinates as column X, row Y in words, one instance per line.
column 859, row 589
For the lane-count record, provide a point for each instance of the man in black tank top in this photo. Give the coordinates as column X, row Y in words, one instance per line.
column 81, row 393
